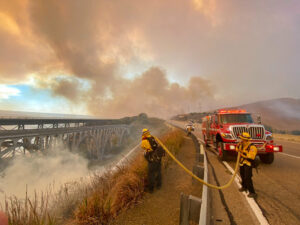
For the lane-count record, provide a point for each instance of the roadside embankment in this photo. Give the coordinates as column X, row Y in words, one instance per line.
column 163, row 206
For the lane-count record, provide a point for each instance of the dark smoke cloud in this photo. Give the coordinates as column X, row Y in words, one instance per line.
column 239, row 47
column 152, row 92
column 69, row 89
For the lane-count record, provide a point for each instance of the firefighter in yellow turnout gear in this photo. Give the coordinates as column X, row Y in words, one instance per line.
column 248, row 153
column 153, row 153
column 189, row 130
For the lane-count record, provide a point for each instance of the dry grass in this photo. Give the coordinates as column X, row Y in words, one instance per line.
column 33, row 211
column 173, row 141
column 111, row 193
column 287, row 137
column 121, row 190
column 97, row 202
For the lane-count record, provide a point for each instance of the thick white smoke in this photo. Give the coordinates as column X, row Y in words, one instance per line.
column 41, row 172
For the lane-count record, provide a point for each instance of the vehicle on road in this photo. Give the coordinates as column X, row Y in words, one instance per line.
column 223, row 128
column 191, row 126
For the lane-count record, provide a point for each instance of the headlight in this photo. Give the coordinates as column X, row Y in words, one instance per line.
column 269, row 137
column 232, row 147
column 226, row 136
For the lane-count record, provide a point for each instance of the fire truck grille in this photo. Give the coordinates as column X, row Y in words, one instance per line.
column 257, row 133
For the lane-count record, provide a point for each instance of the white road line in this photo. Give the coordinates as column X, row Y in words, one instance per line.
column 254, row 206
column 296, row 157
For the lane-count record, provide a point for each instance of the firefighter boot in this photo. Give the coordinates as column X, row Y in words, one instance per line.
column 242, row 189
column 252, row 195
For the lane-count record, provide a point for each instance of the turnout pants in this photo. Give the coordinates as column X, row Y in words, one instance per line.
column 154, row 175
column 246, row 175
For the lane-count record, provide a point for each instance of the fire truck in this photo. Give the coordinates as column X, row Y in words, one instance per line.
column 223, row 128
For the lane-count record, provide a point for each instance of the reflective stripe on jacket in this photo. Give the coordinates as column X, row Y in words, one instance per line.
column 247, row 154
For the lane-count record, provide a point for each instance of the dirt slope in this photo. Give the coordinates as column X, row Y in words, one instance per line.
column 282, row 114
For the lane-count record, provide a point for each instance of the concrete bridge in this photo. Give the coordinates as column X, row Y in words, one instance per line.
column 91, row 137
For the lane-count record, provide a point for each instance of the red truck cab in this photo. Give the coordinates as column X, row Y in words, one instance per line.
column 223, row 128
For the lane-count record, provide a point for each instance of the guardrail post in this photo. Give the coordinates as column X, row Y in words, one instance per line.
column 189, row 209
column 198, row 171
column 199, row 157
column 194, row 206
column 184, row 209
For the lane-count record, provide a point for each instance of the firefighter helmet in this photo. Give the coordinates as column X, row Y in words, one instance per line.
column 245, row 136
column 145, row 130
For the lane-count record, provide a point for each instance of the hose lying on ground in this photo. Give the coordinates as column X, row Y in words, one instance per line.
column 197, row 178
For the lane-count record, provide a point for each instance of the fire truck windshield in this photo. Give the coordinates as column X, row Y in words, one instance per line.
column 236, row 118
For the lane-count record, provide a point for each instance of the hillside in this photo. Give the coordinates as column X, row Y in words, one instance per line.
column 281, row 114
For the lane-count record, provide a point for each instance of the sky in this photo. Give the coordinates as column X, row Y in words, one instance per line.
column 122, row 57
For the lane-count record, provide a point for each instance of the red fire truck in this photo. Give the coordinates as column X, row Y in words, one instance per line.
column 223, row 128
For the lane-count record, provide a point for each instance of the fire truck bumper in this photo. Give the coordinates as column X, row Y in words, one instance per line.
column 261, row 148
column 273, row 148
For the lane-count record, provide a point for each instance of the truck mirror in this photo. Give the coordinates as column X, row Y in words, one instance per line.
column 259, row 119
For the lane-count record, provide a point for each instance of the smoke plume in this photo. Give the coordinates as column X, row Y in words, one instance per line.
column 152, row 92
column 116, row 46
column 39, row 173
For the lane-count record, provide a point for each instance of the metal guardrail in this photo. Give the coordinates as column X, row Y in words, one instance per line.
column 204, row 218
column 21, row 122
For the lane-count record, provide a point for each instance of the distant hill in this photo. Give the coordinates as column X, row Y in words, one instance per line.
column 19, row 114
column 281, row 114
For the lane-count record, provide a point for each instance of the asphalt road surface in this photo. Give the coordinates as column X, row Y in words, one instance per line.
column 277, row 186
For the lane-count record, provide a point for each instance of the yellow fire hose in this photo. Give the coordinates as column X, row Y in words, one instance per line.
column 197, row 178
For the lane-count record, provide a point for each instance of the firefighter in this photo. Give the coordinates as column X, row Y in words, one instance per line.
column 153, row 154
column 189, row 130
column 248, row 153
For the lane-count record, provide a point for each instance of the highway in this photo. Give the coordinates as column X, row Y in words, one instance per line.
column 277, row 186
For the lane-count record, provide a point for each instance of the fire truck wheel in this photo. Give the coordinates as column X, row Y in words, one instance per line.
column 206, row 144
column 205, row 141
column 222, row 154
column 267, row 158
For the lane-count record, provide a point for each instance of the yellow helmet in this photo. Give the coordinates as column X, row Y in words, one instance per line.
column 145, row 130
column 245, row 136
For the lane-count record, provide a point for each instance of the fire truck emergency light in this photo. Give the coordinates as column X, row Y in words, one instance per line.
column 223, row 111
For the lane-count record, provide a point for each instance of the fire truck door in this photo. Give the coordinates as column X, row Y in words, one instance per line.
column 213, row 127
